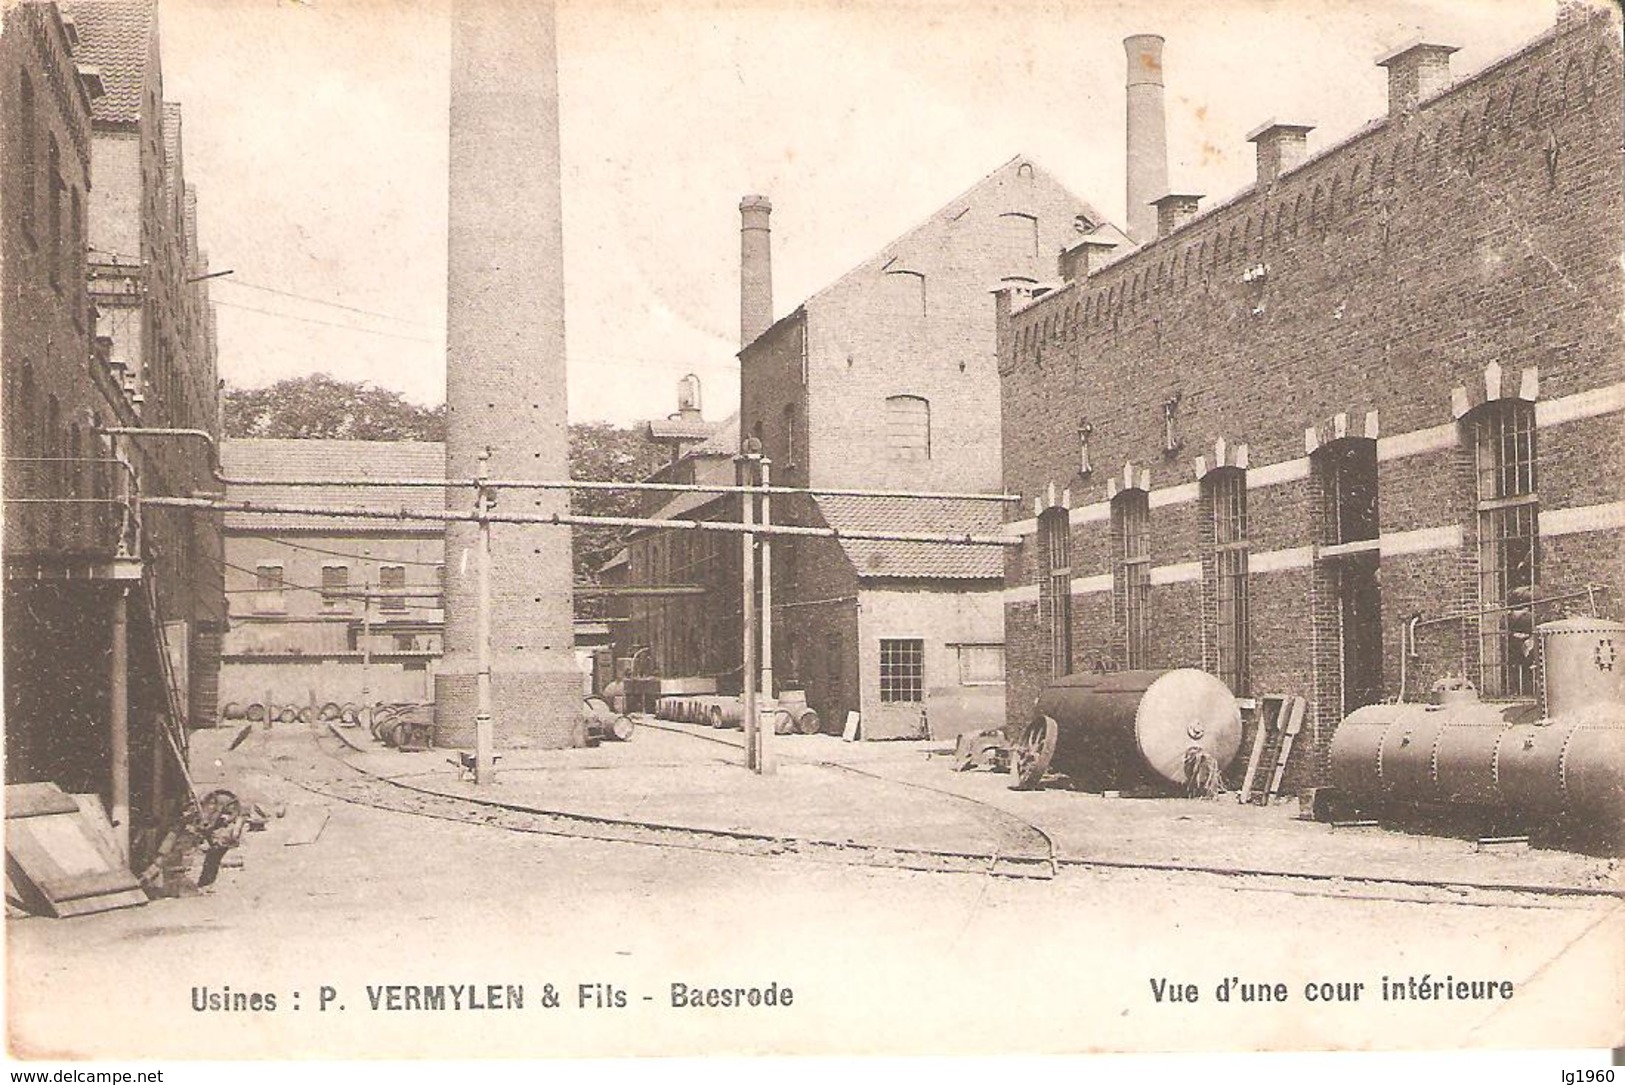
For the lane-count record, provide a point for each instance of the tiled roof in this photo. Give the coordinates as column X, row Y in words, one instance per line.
column 724, row 442
column 265, row 458
column 114, row 35
column 911, row 559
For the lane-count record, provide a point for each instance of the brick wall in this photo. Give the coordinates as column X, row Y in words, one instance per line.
column 1407, row 272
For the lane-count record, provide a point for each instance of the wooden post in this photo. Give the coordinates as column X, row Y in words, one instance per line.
column 119, row 720
column 747, row 503
column 483, row 765
column 764, row 732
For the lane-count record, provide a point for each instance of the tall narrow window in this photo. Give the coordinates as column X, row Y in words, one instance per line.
column 1508, row 544
column 1347, row 469
column 392, row 587
column 902, row 671
column 1132, row 511
column 336, row 587
column 790, row 449
column 27, row 166
column 268, row 593
column 1227, row 497
column 908, row 427
column 1055, row 594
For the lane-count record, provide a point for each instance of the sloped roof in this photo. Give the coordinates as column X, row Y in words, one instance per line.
column 114, row 35
column 905, row 242
column 268, row 458
column 911, row 559
column 681, row 429
column 724, row 442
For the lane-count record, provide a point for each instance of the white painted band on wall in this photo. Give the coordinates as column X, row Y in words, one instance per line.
column 1582, row 518
column 1022, row 527
column 1274, row 561
column 1173, row 495
column 1273, row 474
column 1420, row 541
column 1027, row 593
column 1182, row 573
column 1086, row 585
column 1089, row 514
column 1588, row 404
column 1416, row 442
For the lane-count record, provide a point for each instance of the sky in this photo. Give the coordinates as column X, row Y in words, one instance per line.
column 315, row 131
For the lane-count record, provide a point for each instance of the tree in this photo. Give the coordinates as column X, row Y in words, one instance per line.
column 601, row 452
column 320, row 406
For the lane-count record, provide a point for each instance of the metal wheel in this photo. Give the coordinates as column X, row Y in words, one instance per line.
column 1031, row 754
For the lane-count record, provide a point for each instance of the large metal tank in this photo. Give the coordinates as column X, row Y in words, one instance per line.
column 1531, row 766
column 1128, row 727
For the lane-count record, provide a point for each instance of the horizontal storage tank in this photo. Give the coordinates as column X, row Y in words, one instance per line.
column 1567, row 762
column 1128, row 727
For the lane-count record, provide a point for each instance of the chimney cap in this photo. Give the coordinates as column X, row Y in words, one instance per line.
column 1091, row 241
column 1424, row 50
column 1144, row 37
column 1271, row 126
column 755, row 203
column 1174, row 199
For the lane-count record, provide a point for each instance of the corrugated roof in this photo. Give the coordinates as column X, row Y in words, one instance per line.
column 267, row 458
column 910, row 559
column 682, row 429
column 115, row 36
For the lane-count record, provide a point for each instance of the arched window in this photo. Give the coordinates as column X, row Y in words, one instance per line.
column 908, row 427
column 53, row 219
column 1131, row 532
column 792, row 448
column 1346, row 473
column 1503, row 437
column 1055, row 592
column 28, row 195
column 1224, row 497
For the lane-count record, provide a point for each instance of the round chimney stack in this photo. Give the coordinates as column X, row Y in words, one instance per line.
column 1147, row 134
column 755, row 268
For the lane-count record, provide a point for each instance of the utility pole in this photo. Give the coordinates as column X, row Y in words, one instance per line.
column 366, row 635
column 747, row 612
column 119, row 720
column 483, row 766
column 764, row 738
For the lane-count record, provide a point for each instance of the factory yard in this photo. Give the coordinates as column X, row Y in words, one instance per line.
column 861, row 877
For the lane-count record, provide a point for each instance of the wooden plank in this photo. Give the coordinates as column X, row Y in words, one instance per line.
column 305, row 824
column 850, row 734
column 36, row 800
column 1294, row 724
column 67, row 863
column 1269, row 711
column 95, row 818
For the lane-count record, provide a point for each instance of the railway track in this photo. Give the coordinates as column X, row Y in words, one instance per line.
column 1027, row 851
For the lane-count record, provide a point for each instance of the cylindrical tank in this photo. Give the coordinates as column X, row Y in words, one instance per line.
column 1125, row 727
column 1581, row 664
column 1491, row 756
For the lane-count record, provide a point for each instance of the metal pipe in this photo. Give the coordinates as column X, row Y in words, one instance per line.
column 577, row 484
column 569, row 519
column 764, row 735
column 483, row 761
column 119, row 721
column 747, row 543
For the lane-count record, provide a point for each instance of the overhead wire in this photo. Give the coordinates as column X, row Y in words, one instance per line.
column 327, row 323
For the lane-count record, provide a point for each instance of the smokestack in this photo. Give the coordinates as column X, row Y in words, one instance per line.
column 1147, row 134
column 755, row 268
column 1416, row 72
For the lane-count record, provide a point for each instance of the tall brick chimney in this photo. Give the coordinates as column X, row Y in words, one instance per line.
column 755, row 268
column 1147, row 134
column 1416, row 72
column 1281, row 147
column 505, row 379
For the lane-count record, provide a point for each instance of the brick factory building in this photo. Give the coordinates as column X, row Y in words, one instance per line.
column 886, row 380
column 1381, row 382
column 326, row 609
column 113, row 614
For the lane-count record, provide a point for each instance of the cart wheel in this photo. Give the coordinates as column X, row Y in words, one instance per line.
column 1031, row 754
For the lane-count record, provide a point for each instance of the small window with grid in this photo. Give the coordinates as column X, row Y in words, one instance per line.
column 1132, row 508
column 902, row 671
column 908, row 427
column 392, row 587
column 336, row 587
column 1508, row 545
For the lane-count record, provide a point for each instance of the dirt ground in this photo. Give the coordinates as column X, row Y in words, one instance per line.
column 878, row 960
